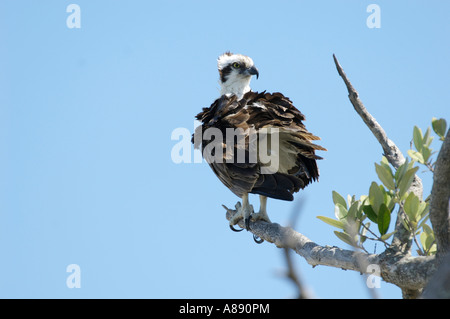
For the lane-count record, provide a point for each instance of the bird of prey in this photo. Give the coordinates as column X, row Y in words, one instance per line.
column 268, row 119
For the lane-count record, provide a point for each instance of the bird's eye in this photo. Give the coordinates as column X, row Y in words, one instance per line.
column 236, row 65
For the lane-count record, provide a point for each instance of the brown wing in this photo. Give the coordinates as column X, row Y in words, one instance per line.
column 226, row 112
column 297, row 158
column 238, row 168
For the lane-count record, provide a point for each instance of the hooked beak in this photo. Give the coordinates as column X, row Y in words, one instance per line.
column 252, row 71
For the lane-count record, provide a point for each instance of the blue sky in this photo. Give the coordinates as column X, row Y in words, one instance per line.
column 86, row 118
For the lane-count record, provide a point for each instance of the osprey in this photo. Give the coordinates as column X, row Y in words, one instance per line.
column 262, row 119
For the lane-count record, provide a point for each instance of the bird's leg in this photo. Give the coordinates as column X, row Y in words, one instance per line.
column 243, row 212
column 262, row 214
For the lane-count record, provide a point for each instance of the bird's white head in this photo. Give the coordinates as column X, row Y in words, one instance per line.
column 235, row 71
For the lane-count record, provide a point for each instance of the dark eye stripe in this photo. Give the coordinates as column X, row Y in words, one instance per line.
column 225, row 72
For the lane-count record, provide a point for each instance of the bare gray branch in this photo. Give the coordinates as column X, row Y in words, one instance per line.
column 407, row 272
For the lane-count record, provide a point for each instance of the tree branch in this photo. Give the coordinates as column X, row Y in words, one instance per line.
column 291, row 274
column 402, row 238
column 407, row 272
column 440, row 197
column 391, row 151
column 439, row 285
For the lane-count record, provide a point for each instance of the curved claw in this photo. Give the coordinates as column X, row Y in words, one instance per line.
column 236, row 230
column 257, row 239
column 247, row 223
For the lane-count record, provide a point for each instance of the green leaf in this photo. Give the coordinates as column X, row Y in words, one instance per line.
column 387, row 236
column 363, row 199
column 427, row 139
column 346, row 238
column 376, row 197
column 406, row 180
column 401, row 170
column 353, row 211
column 432, row 250
column 416, row 156
column 427, row 239
column 388, row 200
column 332, row 222
column 384, row 161
column 410, row 165
column 385, row 176
column 439, row 127
column 426, row 153
column 359, row 212
column 423, row 240
column 427, row 229
column 350, row 200
column 411, row 207
column 370, row 213
column 384, row 219
column 424, row 208
column 340, row 211
column 338, row 199
column 418, row 138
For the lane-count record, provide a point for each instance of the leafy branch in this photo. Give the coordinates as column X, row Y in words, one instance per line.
column 354, row 217
column 422, row 143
